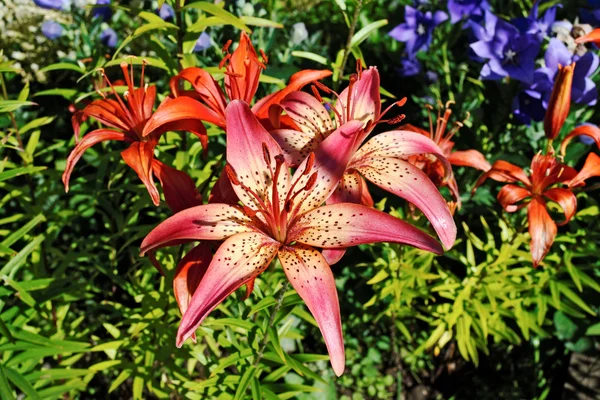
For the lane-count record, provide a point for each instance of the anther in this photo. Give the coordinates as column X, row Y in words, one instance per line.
column 265, row 59
column 310, row 162
column 249, row 212
column 226, row 46
column 312, row 181
column 231, row 175
column 397, row 119
column 316, row 93
column 403, row 101
column 266, row 154
column 322, row 87
column 279, row 159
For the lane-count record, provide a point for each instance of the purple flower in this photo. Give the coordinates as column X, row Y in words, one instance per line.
column 409, row 67
column 594, row 3
column 585, row 139
column 104, row 11
column 432, row 76
column 535, row 25
column 52, row 30
column 584, row 89
column 416, row 31
column 508, row 52
column 49, row 4
column 108, row 37
column 166, row 12
column 529, row 106
column 203, row 42
column 466, row 8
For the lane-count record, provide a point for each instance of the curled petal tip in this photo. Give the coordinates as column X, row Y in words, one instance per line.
column 338, row 368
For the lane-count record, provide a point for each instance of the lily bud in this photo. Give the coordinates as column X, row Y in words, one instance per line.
column 560, row 101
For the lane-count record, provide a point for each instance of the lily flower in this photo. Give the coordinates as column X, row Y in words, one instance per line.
column 383, row 160
column 432, row 166
column 592, row 37
column 560, row 101
column 242, row 73
column 535, row 190
column 281, row 216
column 130, row 119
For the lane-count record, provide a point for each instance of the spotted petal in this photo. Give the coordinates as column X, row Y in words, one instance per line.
column 311, row 276
column 189, row 273
column 245, row 139
column 541, row 228
column 88, row 141
column 296, row 145
column 331, row 159
column 365, row 102
column 345, row 225
column 238, row 260
column 205, row 222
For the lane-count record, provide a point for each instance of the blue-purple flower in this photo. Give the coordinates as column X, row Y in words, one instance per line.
column 530, row 105
column 536, row 25
column 584, row 89
column 409, row 67
column 108, row 37
column 102, row 10
column 203, row 42
column 417, row 29
column 460, row 9
column 49, row 4
column 585, row 139
column 52, row 30
column 509, row 53
column 166, row 12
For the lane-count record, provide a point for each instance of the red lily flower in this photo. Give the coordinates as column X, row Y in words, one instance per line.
column 242, row 73
column 536, row 189
column 560, row 102
column 282, row 215
column 383, row 160
column 131, row 121
column 461, row 158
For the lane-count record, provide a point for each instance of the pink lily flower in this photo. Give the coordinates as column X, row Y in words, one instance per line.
column 282, row 215
column 383, row 160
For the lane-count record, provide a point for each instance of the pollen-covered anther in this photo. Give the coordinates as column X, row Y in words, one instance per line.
column 316, row 93
column 311, row 182
column 224, row 60
column 310, row 162
column 232, row 175
column 397, row 119
column 266, row 154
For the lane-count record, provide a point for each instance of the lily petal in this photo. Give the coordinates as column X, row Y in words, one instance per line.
column 410, row 183
column 311, row 276
column 365, row 103
column 179, row 188
column 349, row 190
column 400, row 144
column 330, row 162
column 245, row 139
column 308, row 114
column 344, row 225
column 593, row 36
column 541, row 228
column 189, row 273
column 85, row 143
column 205, row 222
column 178, row 109
column 139, row 157
column 565, row 199
column 238, row 260
column 243, row 71
column 206, row 88
column 296, row 82
column 469, row 158
column 588, row 130
column 510, row 194
column 590, row 168
column 222, row 191
column 296, row 145
column 333, row 256
column 106, row 111
column 503, row 171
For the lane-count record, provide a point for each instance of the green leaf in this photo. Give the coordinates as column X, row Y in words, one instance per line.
column 261, row 305
column 19, row 381
column 19, row 233
column 365, row 32
column 4, row 249
column 261, row 22
column 11, row 173
column 569, row 294
column 231, row 359
column 126, row 373
column 141, row 31
column 217, row 11
column 36, row 123
column 310, row 56
column 245, row 382
column 66, row 93
column 11, row 266
column 5, row 390
column 7, row 106
column 63, row 66
column 6, row 332
column 138, row 387
column 224, row 322
column 593, row 330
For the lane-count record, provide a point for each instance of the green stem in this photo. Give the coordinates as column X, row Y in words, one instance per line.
column 278, row 303
column 349, row 40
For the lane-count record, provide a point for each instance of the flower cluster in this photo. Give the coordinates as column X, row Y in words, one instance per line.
column 294, row 185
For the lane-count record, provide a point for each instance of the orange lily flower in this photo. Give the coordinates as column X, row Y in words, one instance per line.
column 560, row 101
column 242, row 73
column 537, row 188
column 593, row 37
column 131, row 120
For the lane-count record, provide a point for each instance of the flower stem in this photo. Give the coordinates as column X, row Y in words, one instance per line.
column 278, row 303
column 349, row 40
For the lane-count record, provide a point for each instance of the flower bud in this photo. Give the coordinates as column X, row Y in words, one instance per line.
column 560, row 101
